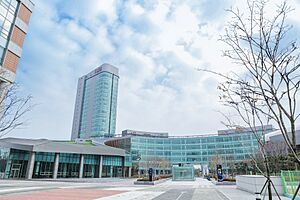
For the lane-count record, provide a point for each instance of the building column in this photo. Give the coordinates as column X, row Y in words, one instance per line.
column 111, row 171
column 30, row 165
column 56, row 164
column 100, row 166
column 129, row 172
column 81, row 165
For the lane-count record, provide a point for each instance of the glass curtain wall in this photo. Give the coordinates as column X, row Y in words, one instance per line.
column 43, row 165
column 69, row 165
column 4, row 157
column 7, row 15
column 197, row 150
column 183, row 173
column 91, row 166
column 113, row 106
column 17, row 164
column 99, row 107
column 112, row 166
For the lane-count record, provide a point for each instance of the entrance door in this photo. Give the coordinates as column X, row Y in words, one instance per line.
column 15, row 170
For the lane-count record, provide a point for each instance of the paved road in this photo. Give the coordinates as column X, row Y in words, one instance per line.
column 185, row 190
column 118, row 189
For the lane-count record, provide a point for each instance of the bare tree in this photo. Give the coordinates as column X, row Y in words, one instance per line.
column 13, row 107
column 213, row 162
column 154, row 162
column 267, row 89
column 279, row 157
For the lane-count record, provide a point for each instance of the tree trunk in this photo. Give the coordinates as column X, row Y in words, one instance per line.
column 269, row 189
column 268, row 178
column 293, row 132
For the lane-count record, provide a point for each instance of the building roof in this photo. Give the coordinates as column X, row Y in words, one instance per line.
column 44, row 145
column 276, row 135
column 245, row 129
column 103, row 68
column 144, row 133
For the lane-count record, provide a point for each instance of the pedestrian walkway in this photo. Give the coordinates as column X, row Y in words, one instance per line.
column 133, row 195
column 172, row 190
column 200, row 189
column 232, row 193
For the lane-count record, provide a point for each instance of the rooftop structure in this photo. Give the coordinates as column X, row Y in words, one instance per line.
column 143, row 133
column 266, row 128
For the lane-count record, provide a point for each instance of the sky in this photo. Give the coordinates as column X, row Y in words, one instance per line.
column 157, row 46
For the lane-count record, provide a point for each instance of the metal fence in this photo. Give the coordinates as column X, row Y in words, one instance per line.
column 290, row 181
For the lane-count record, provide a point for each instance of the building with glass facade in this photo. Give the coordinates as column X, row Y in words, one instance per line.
column 25, row 158
column 130, row 154
column 14, row 20
column 227, row 146
column 96, row 104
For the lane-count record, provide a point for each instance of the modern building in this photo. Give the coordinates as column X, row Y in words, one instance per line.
column 96, row 104
column 41, row 158
column 14, row 20
column 126, row 155
column 163, row 152
column 276, row 138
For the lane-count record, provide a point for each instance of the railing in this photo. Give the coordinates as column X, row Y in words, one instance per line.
column 290, row 181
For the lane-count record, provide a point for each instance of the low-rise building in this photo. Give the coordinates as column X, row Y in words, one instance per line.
column 41, row 158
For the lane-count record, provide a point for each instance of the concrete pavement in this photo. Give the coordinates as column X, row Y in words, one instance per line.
column 232, row 193
column 119, row 189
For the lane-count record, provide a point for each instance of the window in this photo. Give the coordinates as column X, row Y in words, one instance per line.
column 7, row 15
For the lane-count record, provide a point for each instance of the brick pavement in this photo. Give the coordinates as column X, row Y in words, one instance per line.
column 63, row 194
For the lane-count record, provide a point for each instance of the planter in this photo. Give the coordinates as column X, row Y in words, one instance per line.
column 150, row 183
column 224, row 183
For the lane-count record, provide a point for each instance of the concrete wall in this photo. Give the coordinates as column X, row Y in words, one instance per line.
column 254, row 183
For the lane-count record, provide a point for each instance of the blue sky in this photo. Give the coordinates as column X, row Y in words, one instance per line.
column 156, row 47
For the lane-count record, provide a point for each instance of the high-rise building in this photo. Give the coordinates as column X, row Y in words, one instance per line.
column 96, row 104
column 14, row 20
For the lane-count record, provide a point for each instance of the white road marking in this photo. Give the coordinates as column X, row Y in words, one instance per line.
column 11, row 190
column 68, row 187
column 180, row 195
column 124, row 188
column 135, row 195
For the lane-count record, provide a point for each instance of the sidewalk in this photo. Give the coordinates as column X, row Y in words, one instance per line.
column 232, row 193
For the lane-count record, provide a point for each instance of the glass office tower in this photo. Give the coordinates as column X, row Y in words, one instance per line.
column 96, row 104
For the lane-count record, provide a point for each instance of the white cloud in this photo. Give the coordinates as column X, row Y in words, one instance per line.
column 156, row 46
